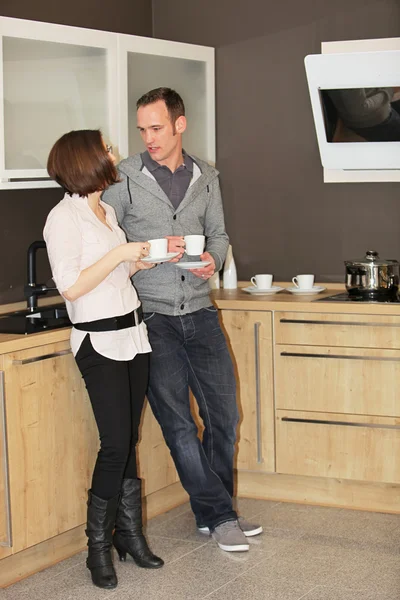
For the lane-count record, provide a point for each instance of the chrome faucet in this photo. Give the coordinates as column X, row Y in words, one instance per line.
column 32, row 290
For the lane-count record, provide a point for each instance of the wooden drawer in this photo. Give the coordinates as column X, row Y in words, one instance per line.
column 339, row 446
column 322, row 329
column 347, row 380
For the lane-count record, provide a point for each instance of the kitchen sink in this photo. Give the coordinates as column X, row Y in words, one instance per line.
column 42, row 319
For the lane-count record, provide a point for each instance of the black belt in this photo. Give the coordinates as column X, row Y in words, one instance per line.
column 113, row 323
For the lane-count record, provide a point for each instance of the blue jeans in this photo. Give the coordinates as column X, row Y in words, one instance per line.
column 190, row 351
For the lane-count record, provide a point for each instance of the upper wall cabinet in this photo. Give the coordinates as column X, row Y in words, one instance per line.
column 145, row 64
column 56, row 78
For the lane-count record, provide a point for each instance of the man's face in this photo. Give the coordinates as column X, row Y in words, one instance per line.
column 158, row 134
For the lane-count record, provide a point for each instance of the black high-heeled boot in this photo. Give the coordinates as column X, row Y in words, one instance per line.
column 128, row 536
column 100, row 524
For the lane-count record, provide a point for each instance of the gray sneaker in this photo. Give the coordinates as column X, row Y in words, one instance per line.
column 249, row 529
column 230, row 537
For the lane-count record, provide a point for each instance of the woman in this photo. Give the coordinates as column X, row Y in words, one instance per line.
column 92, row 265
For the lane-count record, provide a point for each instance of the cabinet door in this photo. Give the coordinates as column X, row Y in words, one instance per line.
column 347, row 380
column 53, row 79
column 5, row 514
column 336, row 445
column 145, row 64
column 250, row 339
column 52, row 443
column 156, row 466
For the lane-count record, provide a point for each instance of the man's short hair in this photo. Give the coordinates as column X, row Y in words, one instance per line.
column 172, row 99
column 80, row 163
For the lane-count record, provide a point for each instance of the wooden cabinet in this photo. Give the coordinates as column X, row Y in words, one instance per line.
column 52, row 446
column 5, row 514
column 336, row 393
column 249, row 336
column 356, row 447
column 156, row 467
column 52, row 443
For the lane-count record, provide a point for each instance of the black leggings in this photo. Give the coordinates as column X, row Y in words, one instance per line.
column 116, row 390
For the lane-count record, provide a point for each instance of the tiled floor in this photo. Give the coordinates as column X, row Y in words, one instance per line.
column 305, row 552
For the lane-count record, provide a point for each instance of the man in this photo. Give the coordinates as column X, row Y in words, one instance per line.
column 165, row 192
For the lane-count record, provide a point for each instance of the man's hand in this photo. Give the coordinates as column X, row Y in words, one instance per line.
column 207, row 271
column 176, row 243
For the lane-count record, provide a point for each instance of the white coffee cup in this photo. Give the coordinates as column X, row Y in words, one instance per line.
column 304, row 282
column 263, row 282
column 194, row 244
column 158, row 248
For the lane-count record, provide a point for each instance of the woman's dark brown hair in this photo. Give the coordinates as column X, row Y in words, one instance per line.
column 79, row 162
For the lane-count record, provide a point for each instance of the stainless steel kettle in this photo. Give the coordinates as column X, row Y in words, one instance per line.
column 371, row 276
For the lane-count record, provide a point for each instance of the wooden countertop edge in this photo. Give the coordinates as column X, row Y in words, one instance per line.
column 285, row 301
column 223, row 299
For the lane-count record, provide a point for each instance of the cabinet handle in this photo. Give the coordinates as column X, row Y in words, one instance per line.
column 341, row 423
column 4, row 450
column 258, row 399
column 340, row 356
column 357, row 323
column 27, row 361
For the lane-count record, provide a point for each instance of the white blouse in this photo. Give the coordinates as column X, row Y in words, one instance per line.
column 75, row 240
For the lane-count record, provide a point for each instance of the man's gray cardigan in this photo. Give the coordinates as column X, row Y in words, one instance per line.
column 145, row 212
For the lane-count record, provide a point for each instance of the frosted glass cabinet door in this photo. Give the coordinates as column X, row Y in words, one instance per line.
column 146, row 64
column 54, row 79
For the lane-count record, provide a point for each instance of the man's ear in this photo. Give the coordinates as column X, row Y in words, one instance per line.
column 180, row 124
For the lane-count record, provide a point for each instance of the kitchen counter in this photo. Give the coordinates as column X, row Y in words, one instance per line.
column 223, row 299
column 285, row 301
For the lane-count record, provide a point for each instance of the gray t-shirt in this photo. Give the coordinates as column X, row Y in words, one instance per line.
column 174, row 185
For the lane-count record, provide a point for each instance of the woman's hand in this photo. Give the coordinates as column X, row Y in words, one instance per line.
column 134, row 251
column 141, row 266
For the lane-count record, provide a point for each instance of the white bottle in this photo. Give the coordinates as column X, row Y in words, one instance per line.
column 229, row 275
column 214, row 281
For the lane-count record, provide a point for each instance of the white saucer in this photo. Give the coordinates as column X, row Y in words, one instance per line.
column 159, row 259
column 198, row 264
column 315, row 290
column 252, row 289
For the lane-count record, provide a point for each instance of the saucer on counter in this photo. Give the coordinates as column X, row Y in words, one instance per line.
column 252, row 289
column 316, row 289
column 159, row 259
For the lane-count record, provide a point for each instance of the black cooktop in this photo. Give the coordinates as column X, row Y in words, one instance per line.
column 345, row 297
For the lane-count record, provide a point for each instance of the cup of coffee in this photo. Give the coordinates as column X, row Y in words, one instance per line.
column 158, row 248
column 263, row 282
column 194, row 244
column 304, row 282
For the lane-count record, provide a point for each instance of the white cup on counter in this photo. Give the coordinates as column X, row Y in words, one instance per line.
column 194, row 244
column 262, row 282
column 158, row 248
column 304, row 282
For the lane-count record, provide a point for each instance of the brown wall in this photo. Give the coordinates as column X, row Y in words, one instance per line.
column 280, row 216
column 23, row 212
